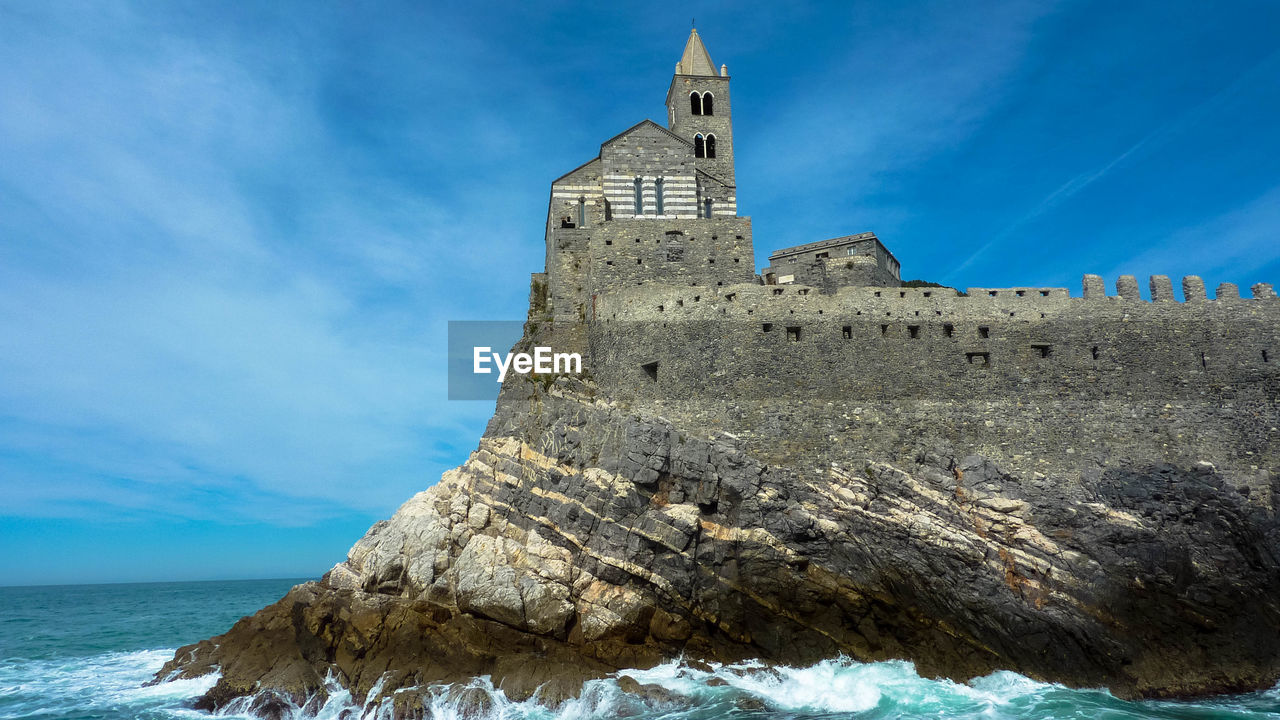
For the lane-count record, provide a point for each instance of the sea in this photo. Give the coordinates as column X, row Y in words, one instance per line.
column 80, row 652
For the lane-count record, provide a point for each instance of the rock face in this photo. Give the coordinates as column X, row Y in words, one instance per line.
column 583, row 537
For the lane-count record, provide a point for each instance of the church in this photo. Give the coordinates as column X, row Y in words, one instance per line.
column 659, row 205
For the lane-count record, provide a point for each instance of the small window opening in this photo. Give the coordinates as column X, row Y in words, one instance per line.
column 736, row 260
column 984, row 332
column 697, row 298
column 948, row 329
column 608, row 262
column 608, row 212
column 793, row 334
column 661, row 308
column 708, row 104
column 608, row 242
column 884, row 330
column 902, row 294
column 680, row 303
column 1043, row 349
column 847, row 332
column 1094, row 351
column 877, row 293
column 978, row 358
column 638, row 262
column 805, row 291
column 766, row 327
column 926, row 293
column 913, row 331
column 711, row 261
column 992, row 293
column 731, row 297
column 823, row 255
column 1020, row 293
column 699, row 147
column 639, row 199
column 651, row 369
column 777, row 291
column 1265, row 357
column 1044, row 293
column 695, row 103
column 706, row 213
column 711, row 146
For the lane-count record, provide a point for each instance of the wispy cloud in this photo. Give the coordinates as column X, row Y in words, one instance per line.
column 214, row 306
column 1149, row 143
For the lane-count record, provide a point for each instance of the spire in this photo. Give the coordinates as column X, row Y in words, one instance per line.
column 695, row 60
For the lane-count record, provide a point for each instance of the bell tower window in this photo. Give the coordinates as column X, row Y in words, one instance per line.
column 711, row 146
column 699, row 147
column 708, row 105
column 695, row 103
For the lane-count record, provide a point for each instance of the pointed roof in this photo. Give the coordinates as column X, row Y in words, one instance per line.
column 695, row 60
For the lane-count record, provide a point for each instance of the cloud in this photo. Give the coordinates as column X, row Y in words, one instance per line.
column 215, row 307
column 1150, row 143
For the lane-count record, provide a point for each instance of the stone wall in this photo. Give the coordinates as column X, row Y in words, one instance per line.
column 1031, row 376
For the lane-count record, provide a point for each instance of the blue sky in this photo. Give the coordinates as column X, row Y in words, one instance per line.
column 232, row 234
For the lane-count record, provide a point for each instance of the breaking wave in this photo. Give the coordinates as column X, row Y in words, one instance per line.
column 110, row 685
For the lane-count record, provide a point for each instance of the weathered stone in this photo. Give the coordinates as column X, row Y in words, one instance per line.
column 1127, row 287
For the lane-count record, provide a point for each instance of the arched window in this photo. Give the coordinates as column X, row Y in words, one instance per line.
column 639, row 197
column 699, row 149
column 711, row 146
column 707, row 212
column 657, row 192
column 695, row 103
column 708, row 104
column 582, row 212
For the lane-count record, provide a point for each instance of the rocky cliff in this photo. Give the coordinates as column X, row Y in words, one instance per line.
column 585, row 535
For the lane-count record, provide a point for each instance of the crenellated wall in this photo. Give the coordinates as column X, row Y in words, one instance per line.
column 1031, row 372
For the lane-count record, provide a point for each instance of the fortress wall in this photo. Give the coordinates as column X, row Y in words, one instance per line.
column 1049, row 378
column 633, row 253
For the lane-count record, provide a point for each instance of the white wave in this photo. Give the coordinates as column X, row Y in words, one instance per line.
column 111, row 685
column 104, row 683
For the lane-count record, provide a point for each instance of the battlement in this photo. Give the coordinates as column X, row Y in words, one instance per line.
column 652, row 301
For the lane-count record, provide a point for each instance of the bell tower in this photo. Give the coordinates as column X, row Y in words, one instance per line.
column 699, row 111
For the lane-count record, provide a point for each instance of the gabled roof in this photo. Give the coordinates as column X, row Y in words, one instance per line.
column 638, row 126
column 695, row 60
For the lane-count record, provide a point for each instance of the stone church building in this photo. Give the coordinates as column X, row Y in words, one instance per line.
column 659, row 205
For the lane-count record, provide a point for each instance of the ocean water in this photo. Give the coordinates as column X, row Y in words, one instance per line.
column 81, row 652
